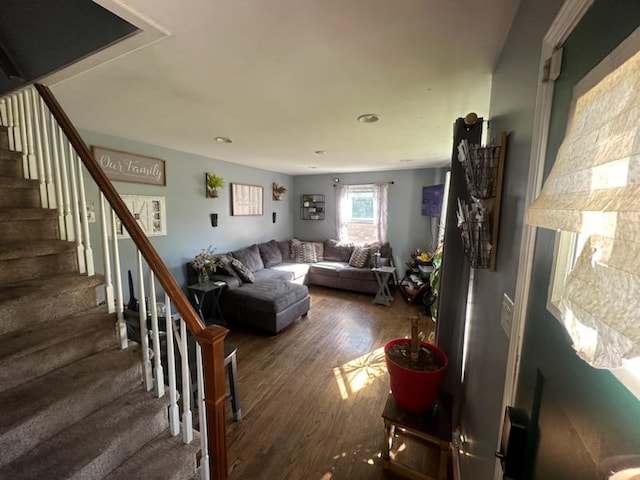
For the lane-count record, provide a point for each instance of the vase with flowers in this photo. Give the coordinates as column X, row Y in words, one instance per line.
column 205, row 263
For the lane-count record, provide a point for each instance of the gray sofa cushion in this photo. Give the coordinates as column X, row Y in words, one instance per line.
column 297, row 270
column 327, row 268
column 285, row 250
column 335, row 251
column 250, row 257
column 272, row 274
column 270, row 253
column 270, row 296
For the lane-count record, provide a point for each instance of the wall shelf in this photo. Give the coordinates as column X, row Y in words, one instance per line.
column 312, row 206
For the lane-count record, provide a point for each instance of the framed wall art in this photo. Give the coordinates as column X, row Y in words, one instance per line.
column 246, row 199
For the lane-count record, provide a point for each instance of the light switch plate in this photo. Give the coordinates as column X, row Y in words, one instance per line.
column 506, row 314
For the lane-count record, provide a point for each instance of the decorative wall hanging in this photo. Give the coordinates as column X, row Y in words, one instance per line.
column 130, row 167
column 149, row 212
column 246, row 199
column 278, row 191
column 213, row 183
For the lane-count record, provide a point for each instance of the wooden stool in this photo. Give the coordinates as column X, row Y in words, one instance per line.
column 432, row 429
column 232, row 372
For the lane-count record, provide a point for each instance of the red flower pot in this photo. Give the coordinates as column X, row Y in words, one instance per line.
column 413, row 390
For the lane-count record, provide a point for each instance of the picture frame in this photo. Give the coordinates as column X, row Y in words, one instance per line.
column 247, row 200
column 128, row 167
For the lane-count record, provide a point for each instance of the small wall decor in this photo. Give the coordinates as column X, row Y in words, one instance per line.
column 278, row 191
column 213, row 183
column 246, row 199
column 129, row 167
column 149, row 212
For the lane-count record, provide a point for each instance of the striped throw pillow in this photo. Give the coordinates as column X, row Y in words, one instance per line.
column 359, row 257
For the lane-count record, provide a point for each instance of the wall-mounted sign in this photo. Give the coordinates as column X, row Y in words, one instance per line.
column 129, row 167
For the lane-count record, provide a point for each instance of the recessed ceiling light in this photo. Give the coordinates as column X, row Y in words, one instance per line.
column 312, row 167
column 223, row 140
column 320, row 152
column 369, row 118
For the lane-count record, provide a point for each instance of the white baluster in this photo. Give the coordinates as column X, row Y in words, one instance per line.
column 147, row 376
column 75, row 202
column 58, row 176
column 202, row 416
column 174, row 413
column 155, row 335
column 27, row 97
column 17, row 135
column 66, row 200
column 88, row 252
column 121, row 325
column 187, row 417
column 12, row 143
column 3, row 113
column 23, row 134
column 36, row 127
column 48, row 169
column 106, row 258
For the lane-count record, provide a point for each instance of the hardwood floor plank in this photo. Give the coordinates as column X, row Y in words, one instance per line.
column 312, row 396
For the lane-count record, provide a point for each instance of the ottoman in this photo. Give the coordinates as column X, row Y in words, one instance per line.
column 269, row 305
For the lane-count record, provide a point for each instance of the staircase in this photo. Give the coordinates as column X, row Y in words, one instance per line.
column 72, row 403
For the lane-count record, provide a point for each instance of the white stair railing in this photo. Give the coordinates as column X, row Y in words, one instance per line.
column 50, row 159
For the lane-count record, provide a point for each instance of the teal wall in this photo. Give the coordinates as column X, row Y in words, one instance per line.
column 408, row 229
column 585, row 419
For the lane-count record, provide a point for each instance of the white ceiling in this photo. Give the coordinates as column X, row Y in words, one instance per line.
column 284, row 78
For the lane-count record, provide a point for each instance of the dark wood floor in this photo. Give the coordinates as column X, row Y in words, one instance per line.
column 312, row 396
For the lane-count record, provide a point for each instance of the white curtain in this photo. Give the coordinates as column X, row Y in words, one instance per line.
column 594, row 189
column 380, row 193
column 342, row 212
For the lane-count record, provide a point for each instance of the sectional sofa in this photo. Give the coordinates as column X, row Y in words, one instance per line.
column 267, row 282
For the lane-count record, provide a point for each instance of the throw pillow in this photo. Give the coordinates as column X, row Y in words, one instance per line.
column 359, row 257
column 306, row 253
column 250, row 257
column 270, row 253
column 243, row 272
column 335, row 251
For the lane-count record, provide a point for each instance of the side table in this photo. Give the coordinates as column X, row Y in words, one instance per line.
column 431, row 429
column 200, row 291
column 383, row 296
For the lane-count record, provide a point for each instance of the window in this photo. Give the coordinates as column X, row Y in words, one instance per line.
column 362, row 213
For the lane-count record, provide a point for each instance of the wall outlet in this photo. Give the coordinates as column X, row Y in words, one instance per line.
column 506, row 314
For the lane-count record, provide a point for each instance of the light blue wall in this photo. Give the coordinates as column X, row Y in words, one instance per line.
column 408, row 228
column 188, row 223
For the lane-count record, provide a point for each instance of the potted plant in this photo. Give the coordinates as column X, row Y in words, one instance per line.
column 415, row 371
column 206, row 262
column 214, row 182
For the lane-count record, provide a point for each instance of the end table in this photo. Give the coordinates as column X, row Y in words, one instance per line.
column 199, row 292
column 383, row 296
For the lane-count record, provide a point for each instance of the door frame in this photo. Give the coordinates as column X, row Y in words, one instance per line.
column 563, row 24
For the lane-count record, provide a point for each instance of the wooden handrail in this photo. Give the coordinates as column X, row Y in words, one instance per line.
column 210, row 338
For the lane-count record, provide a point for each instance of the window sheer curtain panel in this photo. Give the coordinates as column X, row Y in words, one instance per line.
column 594, row 189
column 342, row 212
column 380, row 196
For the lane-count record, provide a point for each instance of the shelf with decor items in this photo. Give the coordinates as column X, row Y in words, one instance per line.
column 479, row 214
column 312, row 206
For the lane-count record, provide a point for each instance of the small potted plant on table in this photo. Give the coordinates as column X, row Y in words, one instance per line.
column 415, row 371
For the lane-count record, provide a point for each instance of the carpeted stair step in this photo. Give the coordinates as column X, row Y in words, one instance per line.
column 43, row 348
column 23, row 261
column 163, row 458
column 26, row 303
column 27, row 229
column 11, row 164
column 37, row 410
column 19, row 192
column 97, row 444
